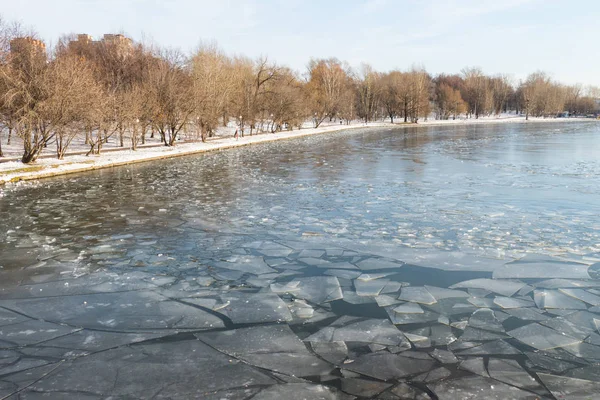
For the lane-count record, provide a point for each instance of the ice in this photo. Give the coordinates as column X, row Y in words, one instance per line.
column 401, row 319
column 556, row 299
column 316, row 289
column 190, row 369
column 475, row 334
column 362, row 387
column 503, row 287
column 509, row 302
column 300, row 391
column 441, row 335
column 433, row 375
column 510, row 372
column 273, row 347
column 477, row 387
column 93, row 341
column 406, row 392
column 128, row 311
column 475, row 365
column 373, row 276
column 485, row 318
column 342, row 273
column 419, row 341
column 548, row 363
column 566, row 283
column 589, row 373
column 581, row 294
column 541, row 337
column 584, row 350
column 416, row 294
column 559, row 270
column 566, row 327
column 497, row 347
column 563, row 387
column 333, row 352
column 386, row 366
column 369, row 287
column 247, row 264
column 31, row 332
column 409, row 308
column 386, row 300
column 248, row 308
column 372, row 264
column 9, row 318
column 348, row 329
column 482, row 302
column 444, row 356
column 443, row 293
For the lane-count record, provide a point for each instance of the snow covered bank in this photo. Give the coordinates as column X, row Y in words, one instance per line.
column 14, row 171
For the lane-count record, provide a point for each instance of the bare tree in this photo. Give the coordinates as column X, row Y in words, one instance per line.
column 170, row 86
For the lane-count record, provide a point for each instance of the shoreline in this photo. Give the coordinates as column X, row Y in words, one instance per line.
column 51, row 167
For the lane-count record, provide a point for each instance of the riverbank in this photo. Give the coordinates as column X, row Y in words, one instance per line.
column 14, row 171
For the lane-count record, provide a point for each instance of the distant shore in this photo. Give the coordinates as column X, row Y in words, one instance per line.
column 15, row 171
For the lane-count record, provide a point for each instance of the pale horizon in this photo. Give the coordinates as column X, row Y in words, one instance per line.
column 513, row 37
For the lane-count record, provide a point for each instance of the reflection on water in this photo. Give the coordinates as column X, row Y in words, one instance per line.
column 395, row 263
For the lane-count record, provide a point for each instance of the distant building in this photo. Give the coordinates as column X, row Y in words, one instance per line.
column 84, row 41
column 27, row 51
column 22, row 45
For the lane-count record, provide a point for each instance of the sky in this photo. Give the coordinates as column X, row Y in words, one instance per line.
column 514, row 37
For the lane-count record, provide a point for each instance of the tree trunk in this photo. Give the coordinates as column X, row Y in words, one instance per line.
column 10, row 129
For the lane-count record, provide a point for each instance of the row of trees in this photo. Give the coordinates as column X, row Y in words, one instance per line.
column 115, row 88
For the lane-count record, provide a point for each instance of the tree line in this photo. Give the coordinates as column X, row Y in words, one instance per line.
column 115, row 88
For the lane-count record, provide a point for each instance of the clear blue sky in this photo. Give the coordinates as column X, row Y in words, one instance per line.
column 509, row 36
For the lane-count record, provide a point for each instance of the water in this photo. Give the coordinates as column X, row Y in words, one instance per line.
column 390, row 263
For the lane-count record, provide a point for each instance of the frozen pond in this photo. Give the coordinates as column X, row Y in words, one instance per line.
column 457, row 262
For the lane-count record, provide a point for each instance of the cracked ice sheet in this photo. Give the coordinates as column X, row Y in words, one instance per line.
column 316, row 289
column 556, row 299
column 541, row 337
column 247, row 264
column 544, row 270
column 273, row 347
column 128, row 311
column 184, row 369
column 503, row 287
column 417, row 294
column 386, row 366
column 350, row 329
column 247, row 308
column 478, row 387
column 570, row 388
column 31, row 332
column 301, row 391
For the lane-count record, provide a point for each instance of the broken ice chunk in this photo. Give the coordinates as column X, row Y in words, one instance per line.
column 563, row 387
column 477, row 387
column 347, row 329
column 409, row 308
column 500, row 286
column 509, row 302
column 369, row 287
column 386, row 366
column 556, row 299
column 524, row 270
column 497, row 347
column 485, row 318
column 316, row 289
column 444, row 356
column 416, row 294
column 582, row 295
column 541, row 337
